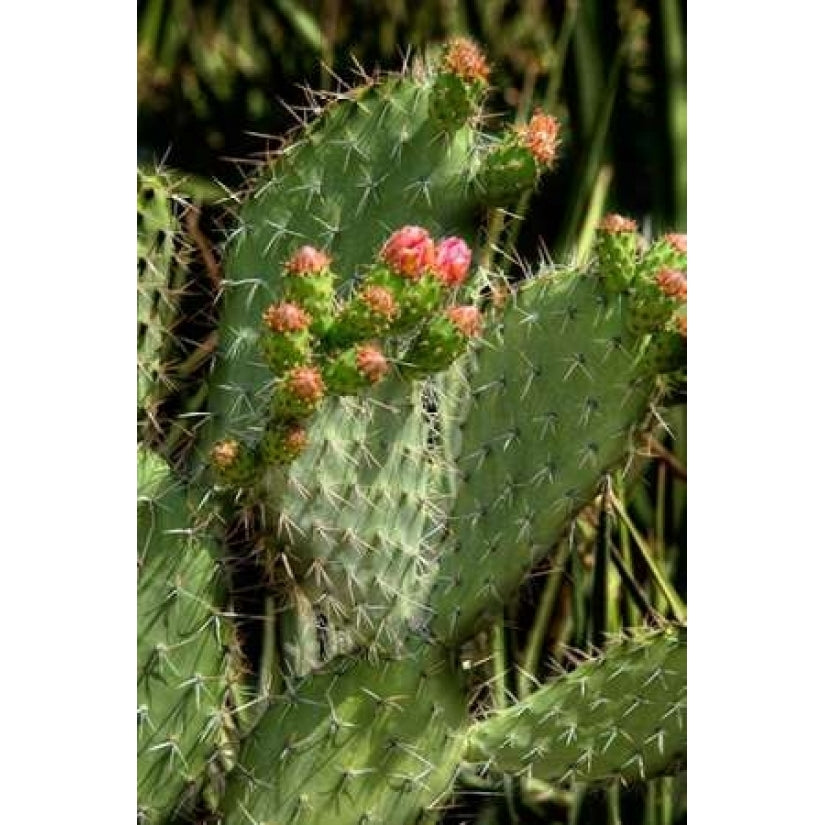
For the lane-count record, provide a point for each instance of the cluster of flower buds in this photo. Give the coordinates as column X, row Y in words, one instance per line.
column 659, row 288
column 318, row 348
column 419, row 273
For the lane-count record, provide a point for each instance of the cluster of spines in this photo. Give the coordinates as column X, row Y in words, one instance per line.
column 317, row 347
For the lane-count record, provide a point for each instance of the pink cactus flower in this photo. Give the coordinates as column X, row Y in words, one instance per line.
column 410, row 251
column 452, row 261
column 308, row 260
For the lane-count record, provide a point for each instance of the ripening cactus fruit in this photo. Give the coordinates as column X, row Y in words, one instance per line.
column 517, row 164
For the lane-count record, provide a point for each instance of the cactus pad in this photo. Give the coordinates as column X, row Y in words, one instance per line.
column 623, row 715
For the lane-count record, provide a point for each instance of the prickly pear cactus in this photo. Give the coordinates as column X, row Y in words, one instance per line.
column 555, row 395
column 160, row 278
column 406, row 457
column 622, row 715
column 355, row 743
column 378, row 158
column 183, row 643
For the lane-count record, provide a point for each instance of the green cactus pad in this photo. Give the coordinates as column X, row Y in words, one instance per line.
column 354, row 509
column 160, row 277
column 371, row 163
column 621, row 716
column 555, row 397
column 361, row 743
column 182, row 644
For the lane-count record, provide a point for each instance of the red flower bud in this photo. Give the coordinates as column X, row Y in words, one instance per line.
column 409, row 251
column 677, row 241
column 380, row 301
column 306, row 384
column 614, row 224
column 371, row 363
column 308, row 260
column 286, row 317
column 452, row 261
column 465, row 59
column 540, row 137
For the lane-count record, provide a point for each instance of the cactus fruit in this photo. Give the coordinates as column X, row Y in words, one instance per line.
column 442, row 340
column 183, row 643
column 235, row 464
column 283, row 443
column 622, row 715
column 668, row 252
column 616, row 246
column 367, row 315
column 656, row 300
column 459, row 85
column 287, row 342
column 355, row 369
column 516, row 165
column 309, row 282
